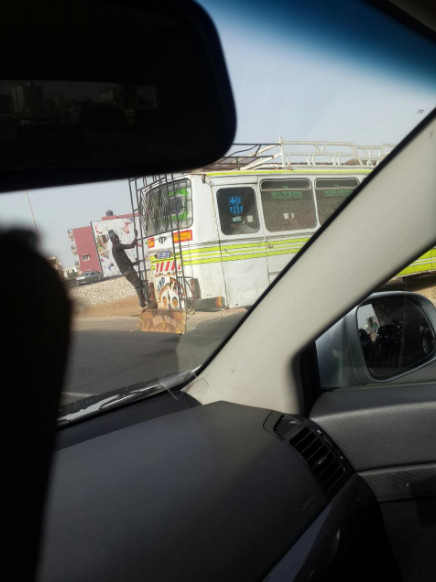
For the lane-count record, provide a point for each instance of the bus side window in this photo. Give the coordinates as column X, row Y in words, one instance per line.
column 237, row 210
column 166, row 207
column 331, row 193
column 288, row 204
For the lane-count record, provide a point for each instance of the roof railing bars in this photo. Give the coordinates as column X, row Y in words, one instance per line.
column 285, row 154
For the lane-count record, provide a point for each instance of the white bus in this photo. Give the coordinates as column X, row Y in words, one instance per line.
column 215, row 238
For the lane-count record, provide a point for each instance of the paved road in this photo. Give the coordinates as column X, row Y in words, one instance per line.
column 110, row 353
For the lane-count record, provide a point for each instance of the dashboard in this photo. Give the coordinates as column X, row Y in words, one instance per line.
column 215, row 492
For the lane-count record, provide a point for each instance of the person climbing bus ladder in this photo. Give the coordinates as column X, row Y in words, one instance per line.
column 125, row 265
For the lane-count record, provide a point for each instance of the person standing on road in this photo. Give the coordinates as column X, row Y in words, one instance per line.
column 125, row 265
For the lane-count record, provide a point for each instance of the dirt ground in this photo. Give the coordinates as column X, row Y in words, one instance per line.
column 422, row 284
column 128, row 306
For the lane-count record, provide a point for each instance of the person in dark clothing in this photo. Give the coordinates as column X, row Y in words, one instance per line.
column 125, row 265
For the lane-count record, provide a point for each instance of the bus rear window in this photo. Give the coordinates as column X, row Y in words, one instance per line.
column 331, row 193
column 167, row 207
column 288, row 204
column 238, row 211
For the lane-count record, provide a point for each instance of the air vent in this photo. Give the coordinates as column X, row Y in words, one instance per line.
column 285, row 425
column 324, row 461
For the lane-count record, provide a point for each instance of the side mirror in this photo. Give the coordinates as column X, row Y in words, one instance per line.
column 387, row 336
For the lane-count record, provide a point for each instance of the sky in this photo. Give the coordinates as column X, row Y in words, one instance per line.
column 285, row 85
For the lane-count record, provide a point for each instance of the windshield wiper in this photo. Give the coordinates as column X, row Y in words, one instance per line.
column 98, row 403
column 130, row 393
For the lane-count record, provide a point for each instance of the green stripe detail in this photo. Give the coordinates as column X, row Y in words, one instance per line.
column 415, row 268
column 236, row 252
column 239, row 252
column 426, row 262
column 428, row 255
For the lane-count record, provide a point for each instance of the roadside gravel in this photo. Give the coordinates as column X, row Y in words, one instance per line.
column 101, row 292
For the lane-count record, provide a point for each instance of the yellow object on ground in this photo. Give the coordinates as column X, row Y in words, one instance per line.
column 163, row 320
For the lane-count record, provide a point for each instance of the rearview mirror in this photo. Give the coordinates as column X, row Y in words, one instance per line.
column 100, row 90
column 388, row 336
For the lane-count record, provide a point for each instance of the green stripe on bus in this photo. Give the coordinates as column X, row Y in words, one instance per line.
column 193, row 253
column 291, row 252
column 237, row 253
column 411, row 269
column 237, row 257
column 246, row 251
column 429, row 254
column 226, row 259
column 417, row 268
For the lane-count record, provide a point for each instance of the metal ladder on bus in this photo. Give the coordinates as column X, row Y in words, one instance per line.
column 140, row 254
column 137, row 187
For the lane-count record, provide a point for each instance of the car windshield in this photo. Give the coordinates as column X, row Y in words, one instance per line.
column 177, row 261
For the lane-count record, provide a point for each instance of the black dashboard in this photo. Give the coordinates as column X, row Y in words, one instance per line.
column 215, row 492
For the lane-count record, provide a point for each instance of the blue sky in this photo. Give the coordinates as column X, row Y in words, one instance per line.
column 285, row 85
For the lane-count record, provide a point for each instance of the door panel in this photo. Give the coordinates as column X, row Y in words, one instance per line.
column 289, row 211
column 242, row 245
column 388, row 433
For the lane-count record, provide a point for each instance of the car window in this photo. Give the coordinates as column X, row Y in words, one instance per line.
column 323, row 95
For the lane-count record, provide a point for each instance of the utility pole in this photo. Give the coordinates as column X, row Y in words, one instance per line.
column 33, row 218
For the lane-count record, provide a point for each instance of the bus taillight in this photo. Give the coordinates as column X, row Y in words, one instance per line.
column 182, row 236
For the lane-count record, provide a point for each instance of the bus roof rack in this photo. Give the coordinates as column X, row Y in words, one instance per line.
column 286, row 155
